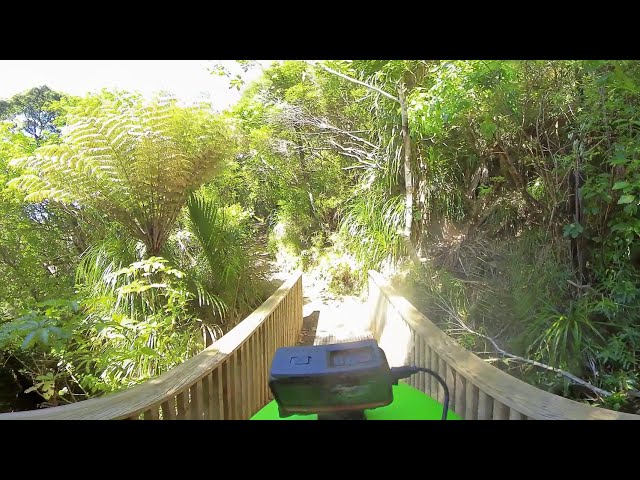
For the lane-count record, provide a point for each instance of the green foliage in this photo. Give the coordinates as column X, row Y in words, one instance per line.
column 138, row 328
column 293, row 179
column 135, row 162
column 526, row 190
column 105, row 199
column 35, row 261
column 371, row 229
column 573, row 230
column 34, row 112
column 42, row 328
column 566, row 337
column 607, row 139
column 225, row 237
column 36, row 338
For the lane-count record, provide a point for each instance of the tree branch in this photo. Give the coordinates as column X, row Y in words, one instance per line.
column 346, row 77
column 570, row 376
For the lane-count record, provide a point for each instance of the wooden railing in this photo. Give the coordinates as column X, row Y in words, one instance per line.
column 228, row 380
column 477, row 390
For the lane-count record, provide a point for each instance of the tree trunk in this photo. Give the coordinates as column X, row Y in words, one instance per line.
column 517, row 177
column 304, row 173
column 408, row 177
column 407, row 83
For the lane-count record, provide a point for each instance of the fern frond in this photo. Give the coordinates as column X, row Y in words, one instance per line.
column 136, row 162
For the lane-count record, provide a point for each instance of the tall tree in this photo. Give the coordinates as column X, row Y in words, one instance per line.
column 35, row 261
column 34, row 110
column 402, row 77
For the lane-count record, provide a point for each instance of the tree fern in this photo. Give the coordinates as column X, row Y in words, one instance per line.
column 136, row 162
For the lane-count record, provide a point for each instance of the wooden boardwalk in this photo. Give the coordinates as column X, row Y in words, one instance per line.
column 229, row 379
column 333, row 319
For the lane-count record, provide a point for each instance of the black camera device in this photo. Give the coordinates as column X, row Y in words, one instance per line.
column 336, row 381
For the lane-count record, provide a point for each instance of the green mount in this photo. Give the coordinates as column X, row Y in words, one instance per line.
column 408, row 404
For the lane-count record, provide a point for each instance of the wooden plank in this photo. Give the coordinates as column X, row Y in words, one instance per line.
column 515, row 415
column 414, row 359
column 274, row 332
column 265, row 361
column 435, row 385
column 228, row 389
column 217, row 395
column 527, row 399
column 417, row 361
column 295, row 332
column 262, row 366
column 450, row 379
column 299, row 306
column 295, row 322
column 169, row 409
column 214, row 403
column 426, row 362
column 182, row 402
column 206, row 395
column 245, row 380
column 288, row 321
column 278, row 313
column 195, row 401
column 252, row 383
column 500, row 411
column 271, row 342
column 485, row 406
column 284, row 320
column 285, row 324
column 236, row 397
column 471, row 402
column 270, row 332
column 151, row 414
column 240, row 383
column 461, row 395
column 442, row 371
column 294, row 319
column 256, row 374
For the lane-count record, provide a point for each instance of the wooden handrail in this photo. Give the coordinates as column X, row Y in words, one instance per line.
column 227, row 380
column 477, row 389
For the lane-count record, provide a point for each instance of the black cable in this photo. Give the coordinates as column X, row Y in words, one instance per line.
column 445, row 408
column 407, row 371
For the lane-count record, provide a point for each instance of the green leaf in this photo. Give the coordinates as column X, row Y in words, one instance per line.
column 620, row 185
column 626, row 199
column 28, row 340
column 618, row 159
column 573, row 230
column 149, row 351
column 488, row 128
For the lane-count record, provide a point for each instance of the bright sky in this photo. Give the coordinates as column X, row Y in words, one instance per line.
column 189, row 80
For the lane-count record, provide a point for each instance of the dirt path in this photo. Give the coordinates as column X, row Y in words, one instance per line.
column 329, row 318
